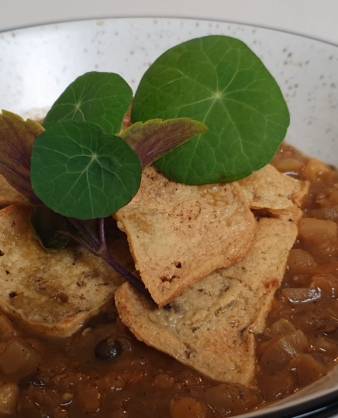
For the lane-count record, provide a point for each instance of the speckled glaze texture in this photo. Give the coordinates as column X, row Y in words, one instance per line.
column 37, row 63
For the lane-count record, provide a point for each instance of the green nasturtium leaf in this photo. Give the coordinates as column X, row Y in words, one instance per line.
column 80, row 172
column 154, row 138
column 17, row 137
column 219, row 81
column 97, row 97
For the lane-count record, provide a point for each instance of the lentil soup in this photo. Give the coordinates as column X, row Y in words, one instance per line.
column 104, row 372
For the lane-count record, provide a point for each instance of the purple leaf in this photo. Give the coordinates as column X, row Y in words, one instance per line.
column 154, row 138
column 16, row 140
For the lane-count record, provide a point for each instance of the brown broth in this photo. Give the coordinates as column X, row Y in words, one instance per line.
column 299, row 345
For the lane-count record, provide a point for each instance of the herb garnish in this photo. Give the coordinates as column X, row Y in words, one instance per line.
column 154, row 138
column 81, row 172
column 100, row 98
column 16, row 141
column 219, row 81
column 84, row 164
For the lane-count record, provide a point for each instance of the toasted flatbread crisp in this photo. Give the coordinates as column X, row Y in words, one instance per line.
column 274, row 192
column 8, row 195
column 53, row 293
column 178, row 234
column 211, row 326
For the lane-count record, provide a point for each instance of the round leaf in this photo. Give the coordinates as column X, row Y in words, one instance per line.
column 100, row 98
column 80, row 172
column 219, row 81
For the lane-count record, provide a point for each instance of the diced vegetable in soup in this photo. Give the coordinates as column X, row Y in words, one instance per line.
column 104, row 372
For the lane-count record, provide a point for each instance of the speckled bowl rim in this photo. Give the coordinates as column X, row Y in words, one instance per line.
column 170, row 17
column 311, row 405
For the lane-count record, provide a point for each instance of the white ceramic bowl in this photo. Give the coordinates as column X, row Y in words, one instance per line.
column 37, row 63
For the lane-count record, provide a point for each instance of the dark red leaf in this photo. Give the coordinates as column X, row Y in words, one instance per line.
column 16, row 140
column 153, row 139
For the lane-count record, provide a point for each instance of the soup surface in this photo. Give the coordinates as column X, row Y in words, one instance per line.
column 104, row 372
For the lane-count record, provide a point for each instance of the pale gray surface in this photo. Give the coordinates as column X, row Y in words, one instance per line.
column 311, row 17
column 37, row 63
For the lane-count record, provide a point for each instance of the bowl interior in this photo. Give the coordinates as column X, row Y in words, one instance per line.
column 37, row 63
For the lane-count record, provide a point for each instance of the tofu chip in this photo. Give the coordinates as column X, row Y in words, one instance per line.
column 274, row 192
column 211, row 327
column 178, row 234
column 52, row 293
